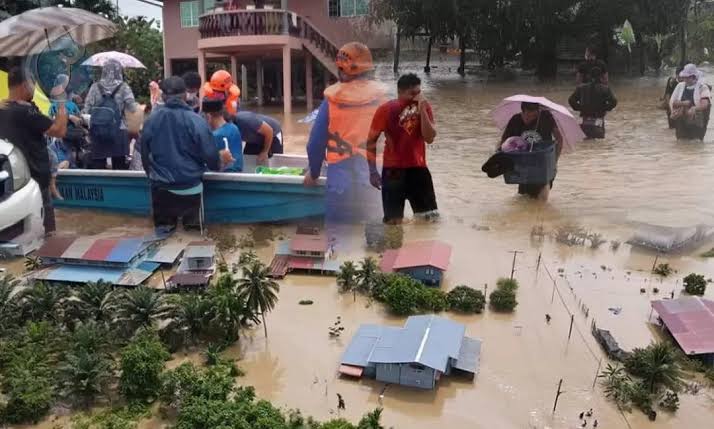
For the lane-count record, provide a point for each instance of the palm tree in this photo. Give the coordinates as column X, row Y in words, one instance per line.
column 367, row 274
column 8, row 302
column 258, row 290
column 189, row 316
column 347, row 278
column 140, row 307
column 94, row 301
column 43, row 302
column 228, row 311
column 371, row 420
column 660, row 367
column 85, row 375
column 617, row 384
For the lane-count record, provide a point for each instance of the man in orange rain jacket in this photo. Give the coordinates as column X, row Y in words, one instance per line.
column 339, row 135
column 221, row 83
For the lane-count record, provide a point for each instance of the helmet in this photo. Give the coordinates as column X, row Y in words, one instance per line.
column 221, row 81
column 354, row 59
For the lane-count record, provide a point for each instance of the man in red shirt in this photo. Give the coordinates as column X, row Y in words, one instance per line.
column 408, row 124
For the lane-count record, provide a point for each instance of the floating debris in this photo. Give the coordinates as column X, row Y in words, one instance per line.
column 306, row 302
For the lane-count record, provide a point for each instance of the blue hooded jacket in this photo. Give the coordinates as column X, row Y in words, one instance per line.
column 177, row 146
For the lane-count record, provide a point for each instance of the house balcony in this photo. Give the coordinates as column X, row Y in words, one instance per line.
column 258, row 34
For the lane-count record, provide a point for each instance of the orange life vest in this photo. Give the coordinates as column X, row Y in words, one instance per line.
column 232, row 99
column 351, row 106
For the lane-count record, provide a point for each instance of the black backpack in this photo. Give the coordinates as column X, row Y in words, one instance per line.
column 105, row 123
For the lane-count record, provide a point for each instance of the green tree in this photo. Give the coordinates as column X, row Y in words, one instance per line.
column 503, row 300
column 258, row 290
column 85, row 375
column 189, row 318
column 187, row 383
column 402, row 295
column 141, row 364
column 347, row 278
column 466, row 299
column 507, row 284
column 669, row 401
column 695, row 284
column 140, row 307
column 9, row 311
column 94, row 301
column 43, row 302
column 657, row 365
column 228, row 310
column 367, row 274
column 371, row 420
column 616, row 382
column 432, row 300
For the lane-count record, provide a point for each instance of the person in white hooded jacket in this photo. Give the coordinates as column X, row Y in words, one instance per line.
column 691, row 104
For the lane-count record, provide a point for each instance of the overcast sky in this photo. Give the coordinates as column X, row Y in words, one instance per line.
column 137, row 8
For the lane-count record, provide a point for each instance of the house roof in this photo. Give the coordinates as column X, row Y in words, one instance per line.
column 691, row 322
column 189, row 279
column 119, row 250
column 418, row 254
column 427, row 340
column 308, row 243
column 200, row 249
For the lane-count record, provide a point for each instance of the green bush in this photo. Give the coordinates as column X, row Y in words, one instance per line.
column 503, row 300
column 657, row 365
column 695, row 284
column 466, row 299
column 142, row 362
column 669, row 401
column 507, row 284
column 186, row 383
column 402, row 295
column 29, row 389
column 663, row 270
column 432, row 300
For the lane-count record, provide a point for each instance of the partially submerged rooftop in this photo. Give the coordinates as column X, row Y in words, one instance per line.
column 690, row 320
column 417, row 254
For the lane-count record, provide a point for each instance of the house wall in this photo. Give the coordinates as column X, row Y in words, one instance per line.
column 199, row 263
column 406, row 375
column 430, row 276
column 182, row 43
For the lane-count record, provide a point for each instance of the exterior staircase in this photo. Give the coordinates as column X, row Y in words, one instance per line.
column 269, row 22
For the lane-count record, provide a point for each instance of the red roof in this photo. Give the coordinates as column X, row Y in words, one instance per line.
column 54, row 247
column 691, row 322
column 100, row 250
column 308, row 243
column 418, row 254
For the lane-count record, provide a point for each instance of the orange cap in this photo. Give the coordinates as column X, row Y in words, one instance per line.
column 221, row 81
column 354, row 59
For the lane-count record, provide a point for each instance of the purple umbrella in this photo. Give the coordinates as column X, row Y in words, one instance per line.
column 126, row 60
column 567, row 123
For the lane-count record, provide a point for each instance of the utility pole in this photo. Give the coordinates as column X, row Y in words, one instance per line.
column 570, row 332
column 597, row 373
column 557, row 395
column 513, row 265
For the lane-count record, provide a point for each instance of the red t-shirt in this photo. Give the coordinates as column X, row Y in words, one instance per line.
column 401, row 124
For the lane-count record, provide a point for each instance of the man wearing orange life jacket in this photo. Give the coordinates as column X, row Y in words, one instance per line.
column 339, row 136
column 221, row 83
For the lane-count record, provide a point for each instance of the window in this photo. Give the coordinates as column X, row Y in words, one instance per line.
column 337, row 8
column 209, row 5
column 190, row 11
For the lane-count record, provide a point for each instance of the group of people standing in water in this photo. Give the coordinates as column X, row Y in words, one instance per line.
column 687, row 101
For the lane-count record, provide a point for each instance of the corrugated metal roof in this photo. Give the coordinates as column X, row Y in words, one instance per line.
column 308, row 243
column 203, row 250
column 469, row 356
column 54, row 247
column 167, row 254
column 125, row 250
column 78, row 248
column 100, row 250
column 691, row 322
column 418, row 254
column 428, row 340
column 189, row 279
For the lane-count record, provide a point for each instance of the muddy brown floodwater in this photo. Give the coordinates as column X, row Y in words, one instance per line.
column 640, row 173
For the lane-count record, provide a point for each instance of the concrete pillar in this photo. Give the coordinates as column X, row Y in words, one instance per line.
column 244, row 82
column 287, row 80
column 308, row 81
column 234, row 68
column 259, row 81
column 202, row 65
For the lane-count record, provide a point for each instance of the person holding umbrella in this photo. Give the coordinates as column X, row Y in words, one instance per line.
column 107, row 101
column 532, row 120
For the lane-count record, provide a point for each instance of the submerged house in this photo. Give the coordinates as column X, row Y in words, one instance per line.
column 690, row 321
column 197, row 266
column 417, row 355
column 425, row 261
column 308, row 252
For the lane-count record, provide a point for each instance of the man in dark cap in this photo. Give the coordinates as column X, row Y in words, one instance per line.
column 176, row 149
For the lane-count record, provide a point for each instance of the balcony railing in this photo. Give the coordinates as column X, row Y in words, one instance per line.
column 263, row 22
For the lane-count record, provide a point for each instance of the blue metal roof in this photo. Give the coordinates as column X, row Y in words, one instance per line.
column 428, row 340
column 126, row 250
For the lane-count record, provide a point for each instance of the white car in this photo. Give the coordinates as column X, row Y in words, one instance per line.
column 21, row 214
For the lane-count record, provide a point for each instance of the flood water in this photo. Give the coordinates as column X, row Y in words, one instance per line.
column 640, row 173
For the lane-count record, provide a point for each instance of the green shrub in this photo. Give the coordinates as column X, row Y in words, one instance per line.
column 669, row 401
column 640, row 396
column 187, row 383
column 142, row 362
column 466, row 299
column 432, row 300
column 663, row 270
column 402, row 295
column 507, row 284
column 503, row 300
column 695, row 284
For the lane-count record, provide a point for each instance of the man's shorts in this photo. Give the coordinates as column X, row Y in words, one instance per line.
column 402, row 184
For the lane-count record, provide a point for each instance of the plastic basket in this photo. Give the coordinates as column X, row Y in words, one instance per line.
column 536, row 167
